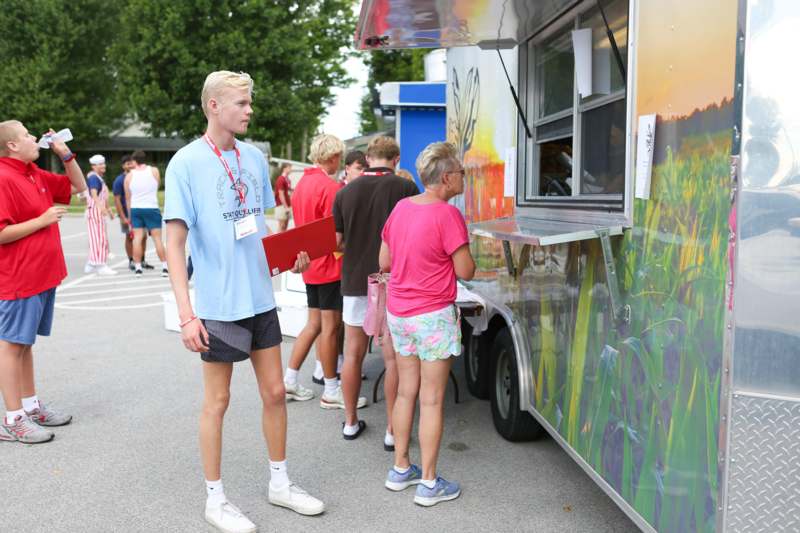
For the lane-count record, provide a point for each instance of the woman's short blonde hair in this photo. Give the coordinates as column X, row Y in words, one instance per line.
column 325, row 147
column 217, row 81
column 435, row 160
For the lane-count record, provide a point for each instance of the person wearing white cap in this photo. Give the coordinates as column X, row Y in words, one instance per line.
column 96, row 213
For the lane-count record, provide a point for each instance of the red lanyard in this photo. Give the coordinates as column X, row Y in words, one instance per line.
column 240, row 187
column 376, row 173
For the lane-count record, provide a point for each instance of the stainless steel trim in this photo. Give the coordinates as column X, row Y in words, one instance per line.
column 571, row 232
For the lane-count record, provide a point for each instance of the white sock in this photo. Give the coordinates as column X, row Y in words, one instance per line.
column 215, row 492
column 318, row 370
column 290, row 377
column 331, row 384
column 401, row 470
column 279, row 477
column 350, row 430
column 12, row 415
column 430, row 483
column 30, row 404
column 137, row 266
column 388, row 439
column 339, row 364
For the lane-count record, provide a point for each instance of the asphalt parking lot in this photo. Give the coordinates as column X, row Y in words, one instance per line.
column 130, row 462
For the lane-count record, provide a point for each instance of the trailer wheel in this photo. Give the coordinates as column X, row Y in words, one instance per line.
column 475, row 363
column 512, row 423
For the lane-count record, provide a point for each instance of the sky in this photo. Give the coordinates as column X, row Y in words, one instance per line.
column 342, row 118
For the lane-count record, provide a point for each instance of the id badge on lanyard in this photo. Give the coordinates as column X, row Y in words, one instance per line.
column 245, row 226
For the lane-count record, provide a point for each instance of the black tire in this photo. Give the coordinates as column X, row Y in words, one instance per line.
column 476, row 371
column 512, row 423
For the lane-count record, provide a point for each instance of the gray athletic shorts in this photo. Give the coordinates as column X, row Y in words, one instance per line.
column 230, row 342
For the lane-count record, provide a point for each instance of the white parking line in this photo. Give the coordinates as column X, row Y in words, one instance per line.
column 144, row 281
column 113, row 298
column 74, row 235
column 110, row 291
column 109, row 308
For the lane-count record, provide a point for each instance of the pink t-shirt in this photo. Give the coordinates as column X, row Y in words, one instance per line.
column 422, row 240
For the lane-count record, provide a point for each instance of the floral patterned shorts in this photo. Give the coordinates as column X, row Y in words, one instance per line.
column 429, row 336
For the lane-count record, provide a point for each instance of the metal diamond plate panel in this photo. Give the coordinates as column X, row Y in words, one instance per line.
column 764, row 476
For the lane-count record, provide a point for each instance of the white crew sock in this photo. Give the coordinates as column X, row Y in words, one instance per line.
column 430, row 483
column 12, row 415
column 137, row 266
column 350, row 430
column 401, row 470
column 331, row 384
column 388, row 439
column 30, row 404
column 339, row 364
column 215, row 492
column 279, row 477
column 290, row 377
column 318, row 370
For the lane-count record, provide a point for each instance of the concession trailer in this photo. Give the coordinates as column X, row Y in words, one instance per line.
column 633, row 198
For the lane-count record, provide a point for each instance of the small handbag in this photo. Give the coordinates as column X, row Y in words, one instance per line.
column 375, row 324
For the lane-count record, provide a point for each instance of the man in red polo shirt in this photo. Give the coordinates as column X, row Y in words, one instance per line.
column 313, row 200
column 31, row 267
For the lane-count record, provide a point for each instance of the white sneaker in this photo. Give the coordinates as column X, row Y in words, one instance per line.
column 298, row 393
column 336, row 400
column 88, row 269
column 294, row 498
column 105, row 270
column 228, row 518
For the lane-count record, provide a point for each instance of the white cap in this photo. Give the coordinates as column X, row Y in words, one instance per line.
column 97, row 160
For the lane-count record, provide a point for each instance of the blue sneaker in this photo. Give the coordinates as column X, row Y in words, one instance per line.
column 441, row 492
column 397, row 481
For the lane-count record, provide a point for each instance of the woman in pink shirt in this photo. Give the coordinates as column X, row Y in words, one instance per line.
column 425, row 247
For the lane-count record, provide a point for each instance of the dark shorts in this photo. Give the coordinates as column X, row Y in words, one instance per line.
column 326, row 296
column 146, row 218
column 233, row 341
column 21, row 320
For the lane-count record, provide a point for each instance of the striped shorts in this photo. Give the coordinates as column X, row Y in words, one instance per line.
column 230, row 342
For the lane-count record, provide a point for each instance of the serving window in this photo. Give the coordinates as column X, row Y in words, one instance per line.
column 573, row 87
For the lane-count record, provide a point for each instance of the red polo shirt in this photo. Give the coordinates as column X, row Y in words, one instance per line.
column 34, row 263
column 312, row 200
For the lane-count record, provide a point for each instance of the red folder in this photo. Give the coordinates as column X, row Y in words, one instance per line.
column 316, row 238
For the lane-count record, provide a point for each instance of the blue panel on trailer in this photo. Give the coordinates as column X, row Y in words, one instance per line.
column 423, row 93
column 418, row 128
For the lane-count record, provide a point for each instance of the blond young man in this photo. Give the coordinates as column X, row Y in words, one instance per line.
column 359, row 213
column 31, row 267
column 217, row 189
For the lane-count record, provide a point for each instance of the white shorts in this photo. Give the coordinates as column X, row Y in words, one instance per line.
column 354, row 309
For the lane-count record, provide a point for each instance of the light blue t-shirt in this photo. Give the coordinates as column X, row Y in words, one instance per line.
column 231, row 278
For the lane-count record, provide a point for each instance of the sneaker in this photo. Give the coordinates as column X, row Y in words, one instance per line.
column 228, row 518
column 164, row 272
column 88, row 269
column 105, row 270
column 336, row 400
column 318, row 381
column 396, row 481
column 298, row 393
column 47, row 416
column 294, row 498
column 147, row 266
column 24, row 430
column 131, row 266
column 442, row 491
column 138, row 271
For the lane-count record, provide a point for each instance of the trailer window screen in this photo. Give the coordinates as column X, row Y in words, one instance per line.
column 577, row 152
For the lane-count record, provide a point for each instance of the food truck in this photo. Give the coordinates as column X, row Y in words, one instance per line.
column 633, row 199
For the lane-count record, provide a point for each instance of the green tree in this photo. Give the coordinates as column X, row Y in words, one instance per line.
column 55, row 70
column 388, row 65
column 294, row 52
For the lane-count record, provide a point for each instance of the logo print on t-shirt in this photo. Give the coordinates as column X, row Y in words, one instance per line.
column 240, row 186
column 226, row 191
